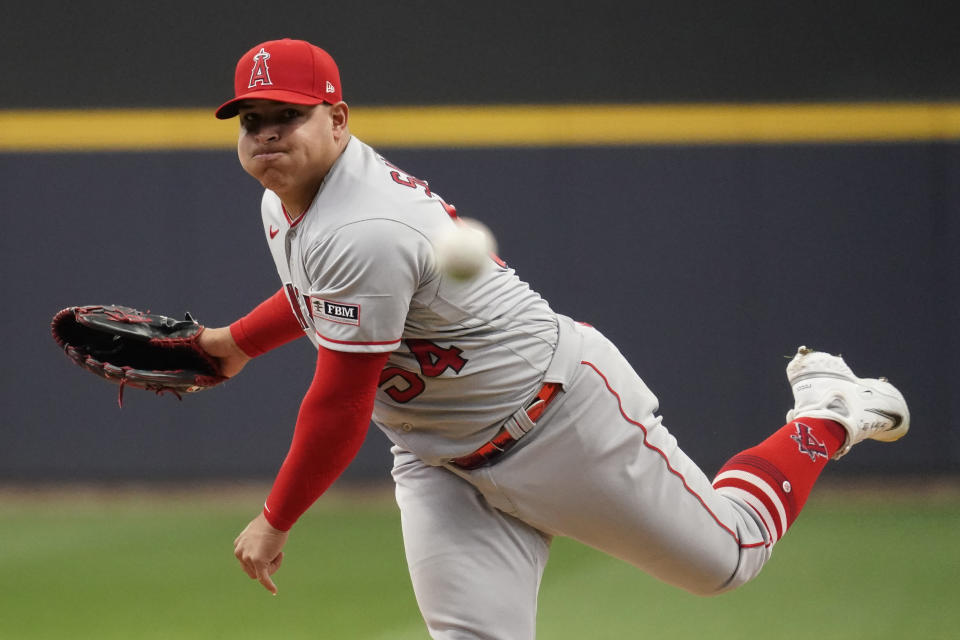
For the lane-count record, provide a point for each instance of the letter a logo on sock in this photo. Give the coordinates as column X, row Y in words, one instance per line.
column 808, row 443
column 260, row 74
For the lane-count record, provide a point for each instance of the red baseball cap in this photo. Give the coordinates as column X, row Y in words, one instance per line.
column 287, row 71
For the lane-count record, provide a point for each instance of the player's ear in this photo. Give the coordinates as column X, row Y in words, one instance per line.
column 340, row 114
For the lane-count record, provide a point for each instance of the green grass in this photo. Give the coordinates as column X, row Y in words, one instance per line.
column 159, row 565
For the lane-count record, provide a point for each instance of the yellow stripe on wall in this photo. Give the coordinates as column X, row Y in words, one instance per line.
column 503, row 126
column 114, row 129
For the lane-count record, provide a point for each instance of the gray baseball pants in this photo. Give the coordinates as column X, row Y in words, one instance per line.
column 598, row 467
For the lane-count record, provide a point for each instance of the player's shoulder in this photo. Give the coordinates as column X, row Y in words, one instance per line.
column 377, row 239
column 364, row 185
column 383, row 249
column 365, row 176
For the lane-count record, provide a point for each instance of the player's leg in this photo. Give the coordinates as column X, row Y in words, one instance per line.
column 834, row 410
column 601, row 468
column 604, row 470
column 475, row 570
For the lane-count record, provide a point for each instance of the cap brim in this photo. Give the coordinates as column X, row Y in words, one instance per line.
column 230, row 109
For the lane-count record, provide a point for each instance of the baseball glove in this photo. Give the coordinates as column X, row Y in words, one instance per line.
column 132, row 348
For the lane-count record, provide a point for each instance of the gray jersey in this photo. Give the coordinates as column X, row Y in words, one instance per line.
column 360, row 271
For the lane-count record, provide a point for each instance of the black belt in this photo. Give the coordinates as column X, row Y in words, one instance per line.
column 504, row 441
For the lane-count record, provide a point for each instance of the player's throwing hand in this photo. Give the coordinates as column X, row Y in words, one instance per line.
column 259, row 548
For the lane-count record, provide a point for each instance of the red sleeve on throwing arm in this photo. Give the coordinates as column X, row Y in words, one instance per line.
column 331, row 426
column 267, row 327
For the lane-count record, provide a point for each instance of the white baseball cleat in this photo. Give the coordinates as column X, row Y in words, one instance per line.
column 825, row 387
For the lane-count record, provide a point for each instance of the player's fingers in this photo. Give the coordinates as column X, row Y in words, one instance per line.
column 250, row 569
column 246, row 563
column 263, row 575
column 275, row 563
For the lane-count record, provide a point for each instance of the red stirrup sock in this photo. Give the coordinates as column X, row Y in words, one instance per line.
column 776, row 476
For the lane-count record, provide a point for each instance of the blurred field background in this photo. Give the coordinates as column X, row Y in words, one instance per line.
column 709, row 184
column 872, row 561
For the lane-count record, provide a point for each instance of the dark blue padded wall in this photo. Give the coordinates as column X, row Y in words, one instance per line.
column 706, row 265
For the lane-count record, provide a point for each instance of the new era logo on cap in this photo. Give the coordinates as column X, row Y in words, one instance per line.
column 285, row 70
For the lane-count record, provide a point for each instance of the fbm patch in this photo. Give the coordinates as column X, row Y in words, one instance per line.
column 335, row 311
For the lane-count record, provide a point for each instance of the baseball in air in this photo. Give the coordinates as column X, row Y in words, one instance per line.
column 464, row 252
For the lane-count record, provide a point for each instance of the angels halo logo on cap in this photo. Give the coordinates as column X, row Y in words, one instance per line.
column 260, row 74
column 286, row 70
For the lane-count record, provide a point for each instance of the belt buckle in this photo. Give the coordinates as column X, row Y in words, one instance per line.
column 543, row 398
column 504, row 440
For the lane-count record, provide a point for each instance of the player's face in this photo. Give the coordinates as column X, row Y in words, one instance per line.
column 289, row 148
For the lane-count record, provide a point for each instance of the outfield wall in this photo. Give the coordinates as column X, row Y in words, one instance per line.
column 113, row 53
column 708, row 254
column 706, row 265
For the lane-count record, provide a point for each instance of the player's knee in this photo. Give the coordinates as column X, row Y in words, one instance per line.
column 714, row 580
column 714, row 585
column 707, row 589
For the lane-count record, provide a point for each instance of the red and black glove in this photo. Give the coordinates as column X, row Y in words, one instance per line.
column 132, row 348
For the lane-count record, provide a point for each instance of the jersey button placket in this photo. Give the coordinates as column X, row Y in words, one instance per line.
column 288, row 242
column 293, row 249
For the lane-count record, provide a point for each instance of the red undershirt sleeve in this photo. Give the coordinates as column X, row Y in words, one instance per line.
column 331, row 426
column 267, row 327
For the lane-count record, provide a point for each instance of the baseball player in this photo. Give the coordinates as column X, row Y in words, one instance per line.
column 510, row 423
